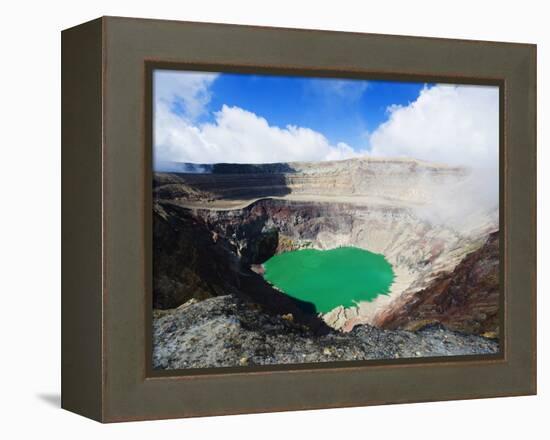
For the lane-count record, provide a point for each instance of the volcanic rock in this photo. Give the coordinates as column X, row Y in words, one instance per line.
column 227, row 332
column 466, row 299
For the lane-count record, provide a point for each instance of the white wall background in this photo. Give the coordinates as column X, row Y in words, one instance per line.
column 30, row 220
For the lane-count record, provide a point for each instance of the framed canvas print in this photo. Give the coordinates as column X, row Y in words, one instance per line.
column 263, row 219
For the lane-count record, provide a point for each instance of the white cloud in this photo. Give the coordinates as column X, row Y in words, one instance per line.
column 345, row 89
column 189, row 92
column 456, row 125
column 239, row 136
column 236, row 135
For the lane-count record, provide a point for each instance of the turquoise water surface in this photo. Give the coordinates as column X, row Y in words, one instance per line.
column 330, row 278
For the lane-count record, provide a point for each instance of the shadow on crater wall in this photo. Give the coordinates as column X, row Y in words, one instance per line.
column 264, row 168
column 238, row 186
column 193, row 261
column 226, row 181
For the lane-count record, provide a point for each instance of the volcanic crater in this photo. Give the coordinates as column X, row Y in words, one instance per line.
column 213, row 230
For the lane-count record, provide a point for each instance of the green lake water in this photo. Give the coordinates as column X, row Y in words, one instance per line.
column 328, row 279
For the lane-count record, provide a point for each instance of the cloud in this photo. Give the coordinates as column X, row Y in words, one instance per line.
column 456, row 125
column 344, row 89
column 239, row 136
column 184, row 93
column 235, row 135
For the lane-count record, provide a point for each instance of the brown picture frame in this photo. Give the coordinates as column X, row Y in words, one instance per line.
column 106, row 215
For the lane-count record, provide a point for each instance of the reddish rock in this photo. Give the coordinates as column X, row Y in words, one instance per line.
column 467, row 299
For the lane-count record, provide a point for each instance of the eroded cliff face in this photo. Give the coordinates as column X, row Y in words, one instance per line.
column 466, row 299
column 398, row 181
column 238, row 216
column 187, row 262
column 193, row 261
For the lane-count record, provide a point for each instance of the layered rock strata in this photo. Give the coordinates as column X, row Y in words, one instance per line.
column 466, row 299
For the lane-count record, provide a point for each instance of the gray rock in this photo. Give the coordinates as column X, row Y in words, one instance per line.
column 226, row 331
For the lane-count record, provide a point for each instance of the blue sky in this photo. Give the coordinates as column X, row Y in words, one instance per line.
column 344, row 110
column 206, row 117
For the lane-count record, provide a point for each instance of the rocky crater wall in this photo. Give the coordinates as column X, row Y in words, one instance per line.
column 417, row 250
column 209, row 247
column 400, row 180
